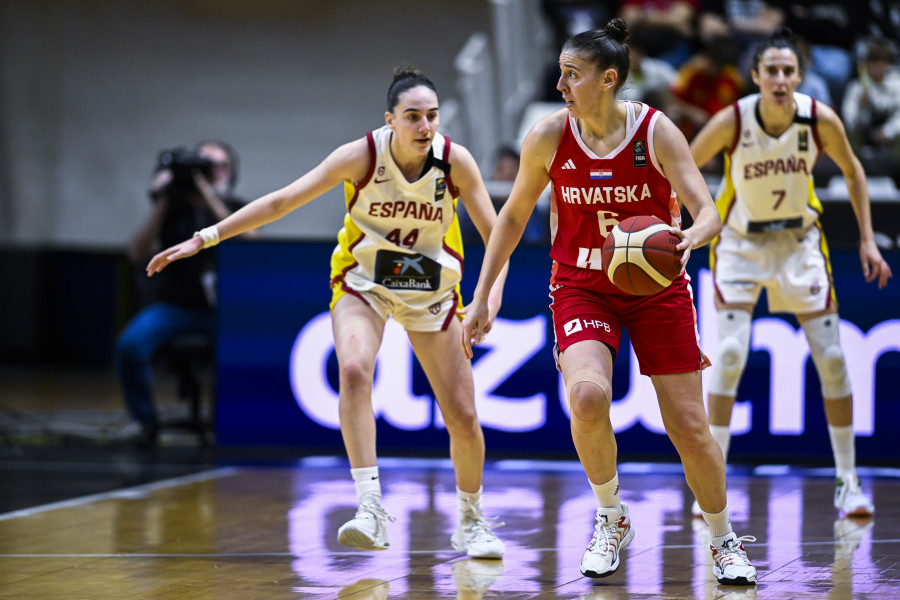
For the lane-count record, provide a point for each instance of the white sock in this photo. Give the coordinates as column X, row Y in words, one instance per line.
column 366, row 482
column 608, row 493
column 722, row 435
column 844, row 450
column 719, row 524
column 468, row 502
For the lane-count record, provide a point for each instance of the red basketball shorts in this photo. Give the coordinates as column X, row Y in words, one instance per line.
column 662, row 327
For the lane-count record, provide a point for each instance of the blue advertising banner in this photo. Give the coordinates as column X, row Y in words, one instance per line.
column 277, row 372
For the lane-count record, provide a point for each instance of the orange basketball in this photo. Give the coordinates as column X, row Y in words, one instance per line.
column 639, row 255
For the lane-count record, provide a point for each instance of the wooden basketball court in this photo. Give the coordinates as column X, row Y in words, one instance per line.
column 259, row 532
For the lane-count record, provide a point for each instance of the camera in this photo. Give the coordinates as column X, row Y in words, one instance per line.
column 183, row 163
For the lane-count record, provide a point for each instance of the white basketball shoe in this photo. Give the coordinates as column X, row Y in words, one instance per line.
column 612, row 533
column 849, row 498
column 366, row 530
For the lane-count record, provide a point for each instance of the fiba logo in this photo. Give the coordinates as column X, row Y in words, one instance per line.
column 573, row 326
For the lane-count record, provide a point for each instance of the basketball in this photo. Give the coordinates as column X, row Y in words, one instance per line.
column 639, row 255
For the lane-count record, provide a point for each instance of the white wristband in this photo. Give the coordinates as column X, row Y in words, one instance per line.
column 209, row 235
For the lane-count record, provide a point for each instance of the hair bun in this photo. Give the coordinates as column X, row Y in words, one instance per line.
column 617, row 29
column 783, row 32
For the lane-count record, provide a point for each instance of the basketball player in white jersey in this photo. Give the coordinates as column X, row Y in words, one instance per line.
column 608, row 160
column 772, row 239
column 399, row 255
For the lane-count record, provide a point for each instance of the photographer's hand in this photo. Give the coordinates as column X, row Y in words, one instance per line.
column 185, row 249
column 210, row 196
column 160, row 182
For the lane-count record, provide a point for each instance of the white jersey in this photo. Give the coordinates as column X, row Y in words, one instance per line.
column 400, row 239
column 768, row 182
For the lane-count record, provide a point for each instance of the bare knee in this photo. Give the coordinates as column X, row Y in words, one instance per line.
column 356, row 374
column 689, row 437
column 461, row 421
column 589, row 395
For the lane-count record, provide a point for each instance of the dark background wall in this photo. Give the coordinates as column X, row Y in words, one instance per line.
column 91, row 90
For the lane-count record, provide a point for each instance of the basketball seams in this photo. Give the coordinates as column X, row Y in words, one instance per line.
column 639, row 255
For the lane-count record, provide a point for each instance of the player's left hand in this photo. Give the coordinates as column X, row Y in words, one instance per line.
column 685, row 245
column 873, row 264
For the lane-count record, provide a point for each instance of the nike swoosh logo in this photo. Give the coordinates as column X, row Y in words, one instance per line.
column 382, row 180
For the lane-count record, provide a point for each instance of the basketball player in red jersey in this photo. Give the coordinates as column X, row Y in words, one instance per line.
column 608, row 160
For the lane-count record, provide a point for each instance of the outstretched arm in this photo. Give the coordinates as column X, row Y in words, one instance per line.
column 348, row 162
column 533, row 177
column 835, row 144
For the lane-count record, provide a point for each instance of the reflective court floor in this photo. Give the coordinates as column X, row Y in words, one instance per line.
column 232, row 531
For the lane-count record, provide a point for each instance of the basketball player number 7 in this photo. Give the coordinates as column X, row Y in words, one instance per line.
column 591, row 258
column 780, row 194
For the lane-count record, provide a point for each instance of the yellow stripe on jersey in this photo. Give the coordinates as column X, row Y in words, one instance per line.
column 812, row 200
column 453, row 239
column 823, row 246
column 724, row 201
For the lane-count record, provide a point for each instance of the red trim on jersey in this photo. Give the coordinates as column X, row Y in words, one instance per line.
column 450, row 316
column 354, row 293
column 737, row 128
column 454, row 191
column 352, row 265
column 815, row 127
column 455, row 255
column 370, row 139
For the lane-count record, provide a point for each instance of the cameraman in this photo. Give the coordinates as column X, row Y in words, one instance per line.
column 190, row 190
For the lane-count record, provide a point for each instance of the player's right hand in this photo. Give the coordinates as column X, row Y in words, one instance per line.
column 185, row 249
column 475, row 325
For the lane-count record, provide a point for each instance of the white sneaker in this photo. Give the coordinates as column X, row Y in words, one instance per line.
column 849, row 498
column 475, row 537
column 366, row 531
column 730, row 563
column 612, row 533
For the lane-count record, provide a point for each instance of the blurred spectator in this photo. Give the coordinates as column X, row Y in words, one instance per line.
column 884, row 20
column 191, row 189
column 670, row 22
column 748, row 21
column 506, row 167
column 831, row 29
column 649, row 79
column 812, row 84
column 569, row 17
column 871, row 110
column 708, row 82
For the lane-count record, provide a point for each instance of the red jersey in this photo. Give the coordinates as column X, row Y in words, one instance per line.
column 591, row 194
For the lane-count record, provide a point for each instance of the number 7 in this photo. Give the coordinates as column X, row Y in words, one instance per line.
column 780, row 194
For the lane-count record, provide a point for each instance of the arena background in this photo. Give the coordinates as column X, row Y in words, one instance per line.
column 90, row 91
